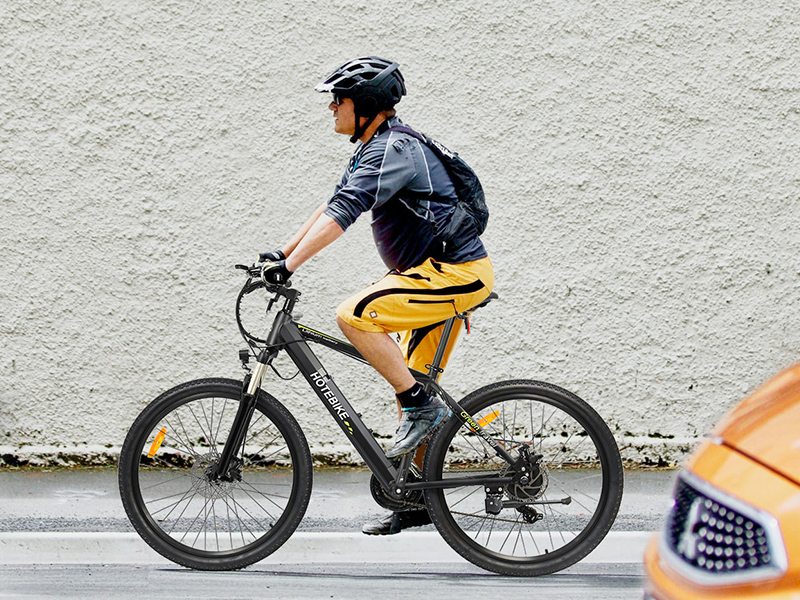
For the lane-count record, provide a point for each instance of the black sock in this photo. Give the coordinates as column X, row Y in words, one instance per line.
column 414, row 397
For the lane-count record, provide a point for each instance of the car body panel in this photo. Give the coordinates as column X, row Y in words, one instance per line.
column 732, row 473
column 752, row 458
column 766, row 425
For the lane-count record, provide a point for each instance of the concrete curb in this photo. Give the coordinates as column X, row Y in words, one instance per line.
column 303, row 547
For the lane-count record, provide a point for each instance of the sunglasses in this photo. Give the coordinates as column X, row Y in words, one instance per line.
column 337, row 99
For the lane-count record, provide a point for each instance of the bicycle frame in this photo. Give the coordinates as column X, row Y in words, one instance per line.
column 292, row 337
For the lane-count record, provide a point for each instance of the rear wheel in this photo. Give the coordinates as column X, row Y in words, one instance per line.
column 547, row 522
column 188, row 516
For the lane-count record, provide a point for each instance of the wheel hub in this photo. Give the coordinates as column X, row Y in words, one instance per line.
column 205, row 484
column 532, row 483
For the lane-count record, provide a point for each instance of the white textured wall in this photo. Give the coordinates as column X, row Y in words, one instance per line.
column 640, row 160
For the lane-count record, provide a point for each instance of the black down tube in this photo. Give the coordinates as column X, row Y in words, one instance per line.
column 334, row 400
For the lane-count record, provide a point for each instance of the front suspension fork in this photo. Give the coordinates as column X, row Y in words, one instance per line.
column 241, row 422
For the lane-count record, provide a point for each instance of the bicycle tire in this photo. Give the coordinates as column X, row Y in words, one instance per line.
column 273, row 486
column 584, row 490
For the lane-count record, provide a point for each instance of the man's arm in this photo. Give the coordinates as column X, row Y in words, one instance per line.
column 321, row 232
column 292, row 244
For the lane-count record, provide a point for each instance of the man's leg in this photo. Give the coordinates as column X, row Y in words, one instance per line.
column 420, row 413
column 418, row 347
column 382, row 353
column 420, row 299
column 366, row 318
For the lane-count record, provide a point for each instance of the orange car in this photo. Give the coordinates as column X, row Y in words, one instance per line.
column 734, row 527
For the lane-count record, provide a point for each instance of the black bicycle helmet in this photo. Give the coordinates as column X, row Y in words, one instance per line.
column 374, row 84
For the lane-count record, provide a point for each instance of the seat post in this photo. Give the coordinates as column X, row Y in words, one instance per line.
column 434, row 370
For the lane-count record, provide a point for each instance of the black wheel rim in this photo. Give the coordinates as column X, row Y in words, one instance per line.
column 194, row 514
column 580, row 473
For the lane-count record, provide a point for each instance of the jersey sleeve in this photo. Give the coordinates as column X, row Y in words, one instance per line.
column 379, row 173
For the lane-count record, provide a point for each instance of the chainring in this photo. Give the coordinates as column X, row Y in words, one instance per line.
column 411, row 500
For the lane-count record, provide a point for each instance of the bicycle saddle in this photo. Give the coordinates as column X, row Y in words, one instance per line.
column 491, row 297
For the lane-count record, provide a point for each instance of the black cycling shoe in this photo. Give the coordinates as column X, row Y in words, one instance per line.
column 397, row 521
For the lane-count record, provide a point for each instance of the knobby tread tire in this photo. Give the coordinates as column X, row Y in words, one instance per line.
column 229, row 560
column 610, row 460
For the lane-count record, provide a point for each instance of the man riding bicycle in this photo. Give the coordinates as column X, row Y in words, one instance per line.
column 407, row 187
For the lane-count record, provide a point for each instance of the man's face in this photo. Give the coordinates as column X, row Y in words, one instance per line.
column 344, row 116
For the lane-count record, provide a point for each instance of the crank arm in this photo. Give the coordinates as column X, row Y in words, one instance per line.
column 402, row 476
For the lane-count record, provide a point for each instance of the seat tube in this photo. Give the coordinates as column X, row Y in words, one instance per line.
column 434, row 369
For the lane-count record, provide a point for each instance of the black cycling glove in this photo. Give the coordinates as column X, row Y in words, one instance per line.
column 273, row 256
column 277, row 273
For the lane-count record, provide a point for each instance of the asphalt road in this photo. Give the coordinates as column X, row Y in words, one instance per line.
column 79, row 501
column 75, row 500
column 342, row 581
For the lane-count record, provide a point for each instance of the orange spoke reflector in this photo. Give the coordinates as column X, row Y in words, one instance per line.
column 489, row 418
column 157, row 442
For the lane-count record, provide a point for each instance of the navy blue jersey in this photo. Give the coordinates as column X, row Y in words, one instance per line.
column 407, row 188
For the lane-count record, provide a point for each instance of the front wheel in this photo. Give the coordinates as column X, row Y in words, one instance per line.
column 554, row 517
column 200, row 521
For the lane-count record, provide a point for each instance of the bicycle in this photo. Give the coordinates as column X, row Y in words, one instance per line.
column 524, row 479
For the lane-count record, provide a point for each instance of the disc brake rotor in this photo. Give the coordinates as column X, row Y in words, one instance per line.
column 534, row 489
column 207, row 487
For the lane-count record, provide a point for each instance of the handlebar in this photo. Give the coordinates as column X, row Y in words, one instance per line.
column 256, row 271
column 252, row 271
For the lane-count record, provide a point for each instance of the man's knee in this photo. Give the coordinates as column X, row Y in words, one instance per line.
column 343, row 316
column 347, row 321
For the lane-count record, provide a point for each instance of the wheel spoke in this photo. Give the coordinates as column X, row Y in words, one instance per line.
column 222, row 414
column 181, row 476
column 179, row 500
column 454, row 504
column 212, row 442
column 173, row 434
column 257, row 503
column 564, row 458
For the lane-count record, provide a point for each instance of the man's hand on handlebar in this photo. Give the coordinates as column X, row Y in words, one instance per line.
column 274, row 256
column 275, row 272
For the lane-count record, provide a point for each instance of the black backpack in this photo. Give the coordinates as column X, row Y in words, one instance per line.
column 471, row 214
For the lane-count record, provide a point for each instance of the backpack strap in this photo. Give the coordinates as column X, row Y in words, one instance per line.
column 432, row 147
column 409, row 131
column 470, row 201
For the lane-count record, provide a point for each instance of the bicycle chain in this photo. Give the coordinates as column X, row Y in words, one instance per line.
column 455, row 512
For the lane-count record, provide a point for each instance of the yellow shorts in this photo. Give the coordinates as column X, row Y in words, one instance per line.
column 417, row 302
